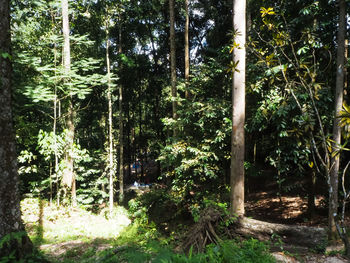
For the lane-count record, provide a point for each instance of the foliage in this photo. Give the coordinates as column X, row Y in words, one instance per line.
column 228, row 251
column 290, row 75
column 50, row 224
column 291, row 90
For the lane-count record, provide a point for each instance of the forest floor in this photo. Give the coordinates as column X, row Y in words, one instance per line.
column 76, row 235
column 291, row 209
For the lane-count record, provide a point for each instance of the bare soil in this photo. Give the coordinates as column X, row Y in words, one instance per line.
column 292, row 209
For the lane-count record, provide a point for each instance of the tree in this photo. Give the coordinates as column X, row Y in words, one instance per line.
column 187, row 50
column 111, row 165
column 68, row 174
column 121, row 120
column 173, row 59
column 339, row 86
column 238, row 108
column 11, row 225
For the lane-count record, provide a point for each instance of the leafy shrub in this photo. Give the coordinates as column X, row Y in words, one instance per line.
column 229, row 251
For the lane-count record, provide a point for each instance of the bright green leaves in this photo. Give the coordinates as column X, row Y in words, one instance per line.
column 5, row 55
column 50, row 144
column 344, row 116
column 266, row 11
column 309, row 9
column 232, row 67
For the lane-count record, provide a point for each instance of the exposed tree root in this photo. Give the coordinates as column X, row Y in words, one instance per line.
column 206, row 230
column 203, row 232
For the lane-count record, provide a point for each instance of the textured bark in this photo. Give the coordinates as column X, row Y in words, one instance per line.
column 173, row 59
column 238, row 110
column 68, row 174
column 10, row 213
column 121, row 126
column 339, row 86
column 187, row 51
column 110, row 125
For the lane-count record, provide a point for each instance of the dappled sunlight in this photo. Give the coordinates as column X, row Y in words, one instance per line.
column 58, row 230
column 291, row 208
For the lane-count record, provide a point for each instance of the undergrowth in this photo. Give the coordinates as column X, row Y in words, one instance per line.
column 76, row 235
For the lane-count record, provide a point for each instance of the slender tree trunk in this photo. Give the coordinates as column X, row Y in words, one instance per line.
column 110, row 125
column 334, row 177
column 69, row 176
column 238, row 110
column 55, row 142
column 187, row 51
column 129, row 147
column 173, row 60
column 121, row 125
column 55, row 126
column 312, row 193
column 68, row 173
column 10, row 213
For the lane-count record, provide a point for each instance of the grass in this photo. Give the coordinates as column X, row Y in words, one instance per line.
column 70, row 235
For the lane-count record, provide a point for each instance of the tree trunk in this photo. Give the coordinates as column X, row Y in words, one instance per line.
column 10, row 213
column 121, row 126
column 311, row 194
column 238, row 110
column 173, row 60
column 334, row 177
column 187, row 51
column 110, row 125
column 68, row 173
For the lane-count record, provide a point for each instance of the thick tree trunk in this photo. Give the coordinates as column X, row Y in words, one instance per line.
column 68, row 174
column 173, row 59
column 238, row 110
column 334, row 173
column 10, row 213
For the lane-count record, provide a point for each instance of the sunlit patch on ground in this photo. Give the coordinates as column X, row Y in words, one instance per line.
column 61, row 230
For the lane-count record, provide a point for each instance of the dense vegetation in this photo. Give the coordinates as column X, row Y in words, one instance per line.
column 114, row 117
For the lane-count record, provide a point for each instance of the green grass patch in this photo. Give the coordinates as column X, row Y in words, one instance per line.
column 70, row 235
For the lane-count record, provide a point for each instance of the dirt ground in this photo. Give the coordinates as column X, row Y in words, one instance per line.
column 292, row 209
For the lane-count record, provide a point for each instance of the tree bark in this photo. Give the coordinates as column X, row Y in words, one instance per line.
column 10, row 213
column 339, row 86
column 121, row 126
column 173, row 60
column 110, row 124
column 68, row 173
column 238, row 110
column 187, row 51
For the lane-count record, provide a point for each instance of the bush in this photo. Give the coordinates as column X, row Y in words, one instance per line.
column 229, row 251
